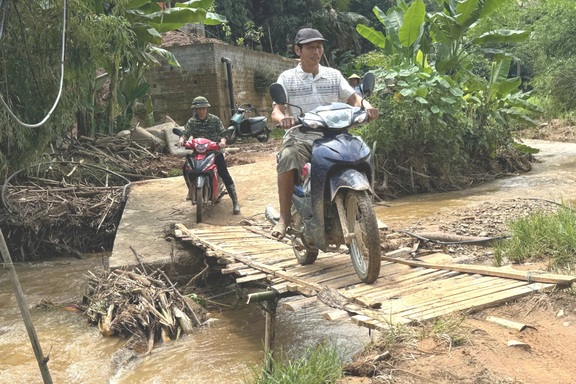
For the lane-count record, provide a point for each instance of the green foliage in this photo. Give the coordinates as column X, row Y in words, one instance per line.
column 263, row 77
column 449, row 111
column 542, row 237
column 30, row 74
column 318, row 364
column 135, row 47
column 545, row 62
column 252, row 36
column 558, row 86
column 448, row 329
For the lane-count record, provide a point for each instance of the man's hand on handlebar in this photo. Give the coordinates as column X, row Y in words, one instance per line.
column 287, row 122
column 373, row 113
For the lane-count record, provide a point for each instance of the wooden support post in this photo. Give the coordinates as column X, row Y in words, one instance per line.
column 270, row 333
column 269, row 302
column 42, row 360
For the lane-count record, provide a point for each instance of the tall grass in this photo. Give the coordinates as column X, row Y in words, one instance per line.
column 547, row 237
column 319, row 364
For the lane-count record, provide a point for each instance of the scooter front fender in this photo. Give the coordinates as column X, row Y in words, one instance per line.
column 350, row 179
column 199, row 181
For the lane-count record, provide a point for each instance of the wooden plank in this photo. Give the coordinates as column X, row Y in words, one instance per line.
column 382, row 319
column 231, row 268
column 286, row 264
column 368, row 322
column 246, row 279
column 231, row 236
column 335, row 314
column 488, row 300
column 315, row 272
column 279, row 287
column 464, row 285
column 376, row 297
column 396, row 272
column 323, row 265
column 384, row 281
column 415, row 279
column 275, row 258
column 410, row 309
column 342, row 279
column 296, row 305
column 494, row 271
column 304, row 291
column 211, row 229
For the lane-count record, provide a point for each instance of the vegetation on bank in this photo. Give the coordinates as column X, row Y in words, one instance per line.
column 548, row 237
column 318, row 364
column 457, row 78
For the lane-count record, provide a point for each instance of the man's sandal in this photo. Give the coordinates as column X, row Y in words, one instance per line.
column 279, row 231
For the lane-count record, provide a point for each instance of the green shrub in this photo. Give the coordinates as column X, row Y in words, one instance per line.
column 318, row 364
column 541, row 237
column 263, row 77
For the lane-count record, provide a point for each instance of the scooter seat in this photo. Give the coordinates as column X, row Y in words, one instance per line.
column 256, row 119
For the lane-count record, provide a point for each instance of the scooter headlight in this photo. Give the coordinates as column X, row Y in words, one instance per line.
column 337, row 119
column 201, row 148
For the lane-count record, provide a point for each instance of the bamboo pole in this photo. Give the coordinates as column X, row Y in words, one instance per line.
column 270, row 333
column 42, row 360
column 269, row 300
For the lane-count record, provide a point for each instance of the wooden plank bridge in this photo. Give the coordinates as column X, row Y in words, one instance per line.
column 407, row 290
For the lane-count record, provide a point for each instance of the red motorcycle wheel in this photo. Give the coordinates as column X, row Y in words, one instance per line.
column 232, row 137
column 199, row 205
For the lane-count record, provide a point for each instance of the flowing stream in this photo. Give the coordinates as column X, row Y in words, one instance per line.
column 227, row 350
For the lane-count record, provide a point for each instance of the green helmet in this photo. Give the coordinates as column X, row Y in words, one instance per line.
column 200, row 102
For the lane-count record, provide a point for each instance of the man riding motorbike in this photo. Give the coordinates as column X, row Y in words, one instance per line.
column 309, row 85
column 209, row 126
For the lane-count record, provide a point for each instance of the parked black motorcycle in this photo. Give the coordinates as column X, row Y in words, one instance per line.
column 333, row 206
column 241, row 125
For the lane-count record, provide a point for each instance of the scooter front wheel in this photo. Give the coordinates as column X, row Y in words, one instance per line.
column 199, row 204
column 365, row 245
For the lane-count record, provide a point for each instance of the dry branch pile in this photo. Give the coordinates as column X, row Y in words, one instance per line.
column 146, row 307
column 72, row 202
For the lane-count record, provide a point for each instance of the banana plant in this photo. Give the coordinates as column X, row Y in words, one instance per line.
column 411, row 33
column 146, row 20
column 451, row 27
column 500, row 97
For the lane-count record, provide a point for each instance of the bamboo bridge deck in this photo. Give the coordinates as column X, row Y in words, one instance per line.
column 407, row 290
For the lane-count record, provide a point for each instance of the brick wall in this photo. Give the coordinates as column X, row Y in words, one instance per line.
column 203, row 73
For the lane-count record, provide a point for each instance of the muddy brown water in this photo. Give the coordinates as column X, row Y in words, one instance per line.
column 225, row 351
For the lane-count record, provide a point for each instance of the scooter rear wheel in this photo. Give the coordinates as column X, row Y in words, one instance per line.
column 303, row 252
column 365, row 246
column 264, row 136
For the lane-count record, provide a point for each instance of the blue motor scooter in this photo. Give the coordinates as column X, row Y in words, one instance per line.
column 332, row 205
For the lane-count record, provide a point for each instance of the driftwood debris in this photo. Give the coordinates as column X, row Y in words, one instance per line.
column 147, row 308
column 447, row 238
column 507, row 323
column 71, row 202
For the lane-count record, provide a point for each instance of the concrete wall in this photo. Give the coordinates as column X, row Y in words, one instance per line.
column 203, row 73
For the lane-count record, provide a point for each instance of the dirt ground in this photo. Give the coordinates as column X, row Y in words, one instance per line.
column 548, row 348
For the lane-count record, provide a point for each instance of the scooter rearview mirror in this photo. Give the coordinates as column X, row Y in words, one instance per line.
column 368, row 83
column 278, row 94
column 177, row 131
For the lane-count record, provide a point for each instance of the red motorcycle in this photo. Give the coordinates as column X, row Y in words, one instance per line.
column 204, row 185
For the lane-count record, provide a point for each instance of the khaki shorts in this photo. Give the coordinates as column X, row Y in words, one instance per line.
column 293, row 155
